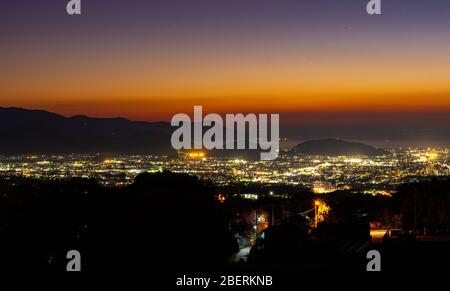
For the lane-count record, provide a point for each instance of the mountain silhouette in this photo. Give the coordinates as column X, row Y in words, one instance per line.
column 41, row 132
column 336, row 147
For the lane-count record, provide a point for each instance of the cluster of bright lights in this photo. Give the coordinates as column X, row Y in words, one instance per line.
column 194, row 155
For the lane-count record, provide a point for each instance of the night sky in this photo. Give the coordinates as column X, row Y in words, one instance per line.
column 147, row 60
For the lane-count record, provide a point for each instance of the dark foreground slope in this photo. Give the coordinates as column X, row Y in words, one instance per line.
column 163, row 221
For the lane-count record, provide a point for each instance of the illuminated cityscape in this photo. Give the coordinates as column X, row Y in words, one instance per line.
column 223, row 143
column 369, row 175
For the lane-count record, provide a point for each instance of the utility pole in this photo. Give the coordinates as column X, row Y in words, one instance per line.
column 273, row 215
column 315, row 215
column 256, row 224
column 415, row 211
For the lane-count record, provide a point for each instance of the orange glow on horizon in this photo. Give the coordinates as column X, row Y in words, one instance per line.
column 277, row 79
column 164, row 108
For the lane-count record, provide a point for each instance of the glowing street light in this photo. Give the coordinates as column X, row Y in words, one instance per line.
column 316, row 205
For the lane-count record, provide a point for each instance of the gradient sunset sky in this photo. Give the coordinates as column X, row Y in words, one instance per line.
column 147, row 60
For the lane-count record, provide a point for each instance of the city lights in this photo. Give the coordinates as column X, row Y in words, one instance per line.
column 194, row 155
column 371, row 176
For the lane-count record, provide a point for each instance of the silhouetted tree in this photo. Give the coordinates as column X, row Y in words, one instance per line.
column 424, row 204
column 164, row 220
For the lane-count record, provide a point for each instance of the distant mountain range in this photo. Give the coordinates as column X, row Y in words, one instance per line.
column 25, row 131
column 36, row 131
column 336, row 147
